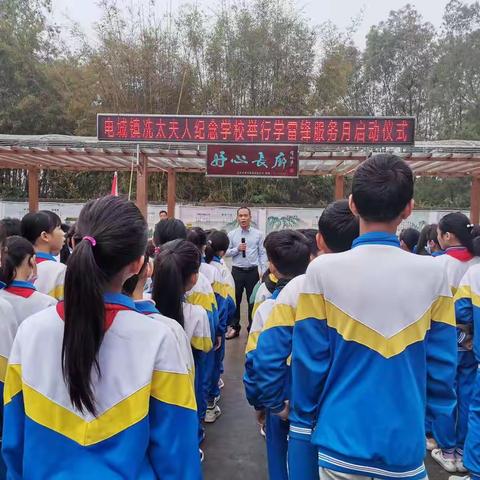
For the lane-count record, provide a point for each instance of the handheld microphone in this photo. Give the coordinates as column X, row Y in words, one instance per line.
column 243, row 253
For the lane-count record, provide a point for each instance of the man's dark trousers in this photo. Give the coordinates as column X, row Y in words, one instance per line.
column 245, row 279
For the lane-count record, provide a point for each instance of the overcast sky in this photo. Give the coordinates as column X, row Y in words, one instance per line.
column 340, row 12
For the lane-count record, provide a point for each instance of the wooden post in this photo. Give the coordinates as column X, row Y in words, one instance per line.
column 171, row 192
column 142, row 185
column 339, row 187
column 33, row 188
column 475, row 201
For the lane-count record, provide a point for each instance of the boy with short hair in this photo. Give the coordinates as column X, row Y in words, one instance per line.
column 337, row 229
column 288, row 255
column 374, row 344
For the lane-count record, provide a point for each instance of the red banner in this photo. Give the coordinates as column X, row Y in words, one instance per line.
column 273, row 161
column 256, row 130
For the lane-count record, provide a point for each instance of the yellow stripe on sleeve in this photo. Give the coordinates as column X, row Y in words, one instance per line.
column 3, row 368
column 13, row 382
column 204, row 344
column 202, row 299
column 174, row 388
column 252, row 341
column 57, row 292
column 282, row 315
column 443, row 311
column 310, row 305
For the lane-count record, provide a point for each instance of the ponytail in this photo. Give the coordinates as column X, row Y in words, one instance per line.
column 176, row 263
column 114, row 234
column 13, row 252
column 217, row 242
column 459, row 225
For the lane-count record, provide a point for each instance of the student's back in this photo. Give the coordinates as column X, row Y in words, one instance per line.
column 16, row 271
column 95, row 389
column 374, row 344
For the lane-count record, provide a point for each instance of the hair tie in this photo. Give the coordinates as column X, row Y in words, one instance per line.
column 157, row 250
column 92, row 241
column 470, row 225
column 209, row 242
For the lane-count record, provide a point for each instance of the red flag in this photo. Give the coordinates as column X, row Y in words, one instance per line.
column 115, row 185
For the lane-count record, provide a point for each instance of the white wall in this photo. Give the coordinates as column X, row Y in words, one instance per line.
column 267, row 219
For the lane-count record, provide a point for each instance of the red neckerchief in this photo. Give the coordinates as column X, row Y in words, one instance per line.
column 21, row 291
column 111, row 311
column 459, row 253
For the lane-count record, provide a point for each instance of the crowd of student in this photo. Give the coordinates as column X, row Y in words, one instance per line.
column 362, row 347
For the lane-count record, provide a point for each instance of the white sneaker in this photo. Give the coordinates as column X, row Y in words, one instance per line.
column 431, row 444
column 459, row 464
column 263, row 433
column 458, row 477
column 447, row 463
column 202, row 455
column 212, row 414
column 221, row 383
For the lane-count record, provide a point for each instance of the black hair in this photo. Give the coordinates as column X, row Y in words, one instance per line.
column 382, row 187
column 410, row 237
column 168, row 230
column 289, row 251
column 198, row 237
column 119, row 233
column 427, row 234
column 14, row 251
column 163, row 211
column 339, row 226
column 131, row 283
column 174, row 265
column 217, row 242
column 8, row 228
column 33, row 224
column 65, row 251
column 311, row 235
column 244, row 208
column 459, row 225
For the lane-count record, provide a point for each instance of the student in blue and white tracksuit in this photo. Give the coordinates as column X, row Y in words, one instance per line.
column 200, row 294
column 18, row 267
column 456, row 240
column 198, row 237
column 43, row 230
column 467, row 309
column 288, row 254
column 134, row 287
column 8, row 330
column 103, row 402
column 374, row 344
column 224, row 287
column 176, row 270
column 337, row 228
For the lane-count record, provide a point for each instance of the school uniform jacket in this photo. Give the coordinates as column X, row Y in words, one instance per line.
column 197, row 327
column 274, row 348
column 147, row 307
column 146, row 419
column 8, row 330
column 25, row 299
column 202, row 294
column 456, row 261
column 51, row 275
column 374, row 347
column 252, row 388
column 467, row 305
column 263, row 293
column 224, row 288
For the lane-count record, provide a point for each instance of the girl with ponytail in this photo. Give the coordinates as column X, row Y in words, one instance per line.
column 217, row 245
column 175, row 272
column 107, row 386
column 456, row 236
column 17, row 272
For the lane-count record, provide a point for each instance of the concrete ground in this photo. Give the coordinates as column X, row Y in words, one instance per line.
column 234, row 449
